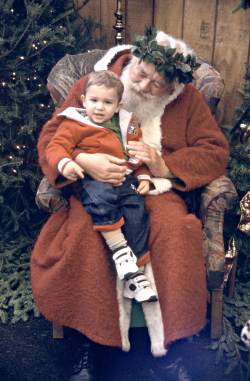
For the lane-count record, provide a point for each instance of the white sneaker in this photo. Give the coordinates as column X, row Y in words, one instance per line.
column 139, row 288
column 125, row 262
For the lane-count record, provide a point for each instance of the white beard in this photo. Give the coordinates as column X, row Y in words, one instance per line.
column 148, row 110
column 144, row 107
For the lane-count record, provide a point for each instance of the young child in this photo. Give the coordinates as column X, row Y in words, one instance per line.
column 118, row 213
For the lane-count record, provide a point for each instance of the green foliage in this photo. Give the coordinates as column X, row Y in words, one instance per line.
column 15, row 288
column 229, row 347
column 239, row 165
column 236, row 309
column 172, row 65
column 34, row 36
column 244, row 4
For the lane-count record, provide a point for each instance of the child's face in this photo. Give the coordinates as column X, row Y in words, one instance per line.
column 101, row 103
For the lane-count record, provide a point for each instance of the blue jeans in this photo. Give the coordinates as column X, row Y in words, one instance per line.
column 108, row 204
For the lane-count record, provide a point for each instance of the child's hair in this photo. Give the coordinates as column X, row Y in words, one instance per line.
column 105, row 78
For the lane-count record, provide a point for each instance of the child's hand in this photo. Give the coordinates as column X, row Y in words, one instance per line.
column 143, row 187
column 72, row 171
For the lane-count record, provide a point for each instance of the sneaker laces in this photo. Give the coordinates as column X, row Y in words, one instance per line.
column 140, row 279
column 124, row 254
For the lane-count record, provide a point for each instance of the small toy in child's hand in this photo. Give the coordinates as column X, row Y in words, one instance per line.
column 245, row 334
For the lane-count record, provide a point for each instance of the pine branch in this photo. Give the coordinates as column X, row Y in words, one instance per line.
column 6, row 54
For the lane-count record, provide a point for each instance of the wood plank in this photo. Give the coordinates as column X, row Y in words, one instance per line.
column 199, row 26
column 168, row 16
column 138, row 14
column 93, row 10
column 231, row 54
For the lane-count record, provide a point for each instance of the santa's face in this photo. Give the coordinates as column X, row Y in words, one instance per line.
column 147, row 81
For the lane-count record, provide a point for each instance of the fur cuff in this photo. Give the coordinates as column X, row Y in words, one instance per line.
column 161, row 186
column 144, row 177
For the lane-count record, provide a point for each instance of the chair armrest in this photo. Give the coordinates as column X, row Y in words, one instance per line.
column 216, row 198
column 48, row 198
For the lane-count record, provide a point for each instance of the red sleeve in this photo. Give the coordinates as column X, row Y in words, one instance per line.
column 63, row 143
column 206, row 155
column 49, row 129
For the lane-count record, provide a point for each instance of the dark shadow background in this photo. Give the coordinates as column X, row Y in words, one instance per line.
column 29, row 353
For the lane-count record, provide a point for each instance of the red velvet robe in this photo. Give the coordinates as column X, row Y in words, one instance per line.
column 72, row 278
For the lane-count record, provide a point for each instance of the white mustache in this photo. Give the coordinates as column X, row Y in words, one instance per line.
column 137, row 89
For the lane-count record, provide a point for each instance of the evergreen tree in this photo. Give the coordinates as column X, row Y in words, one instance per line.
column 244, row 4
column 236, row 309
column 34, row 35
column 239, row 172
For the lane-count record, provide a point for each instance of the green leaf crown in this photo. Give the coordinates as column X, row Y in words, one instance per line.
column 173, row 66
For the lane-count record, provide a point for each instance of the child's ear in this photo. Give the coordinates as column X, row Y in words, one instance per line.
column 119, row 107
column 83, row 99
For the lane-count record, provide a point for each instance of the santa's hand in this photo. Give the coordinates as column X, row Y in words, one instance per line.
column 149, row 156
column 103, row 167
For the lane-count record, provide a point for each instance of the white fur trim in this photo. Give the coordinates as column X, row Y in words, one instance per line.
column 74, row 113
column 161, row 186
column 151, row 132
column 125, row 306
column 124, row 119
column 151, row 127
column 153, row 317
column 62, row 162
column 152, row 313
column 165, row 39
column 104, row 62
column 144, row 177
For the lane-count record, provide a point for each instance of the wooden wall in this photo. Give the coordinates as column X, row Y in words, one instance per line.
column 216, row 33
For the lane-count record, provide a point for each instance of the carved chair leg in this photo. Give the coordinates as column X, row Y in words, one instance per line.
column 216, row 313
column 57, row 331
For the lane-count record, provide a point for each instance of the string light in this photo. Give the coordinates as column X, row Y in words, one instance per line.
column 14, row 171
column 12, row 10
column 10, row 157
column 21, row 57
column 3, row 84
